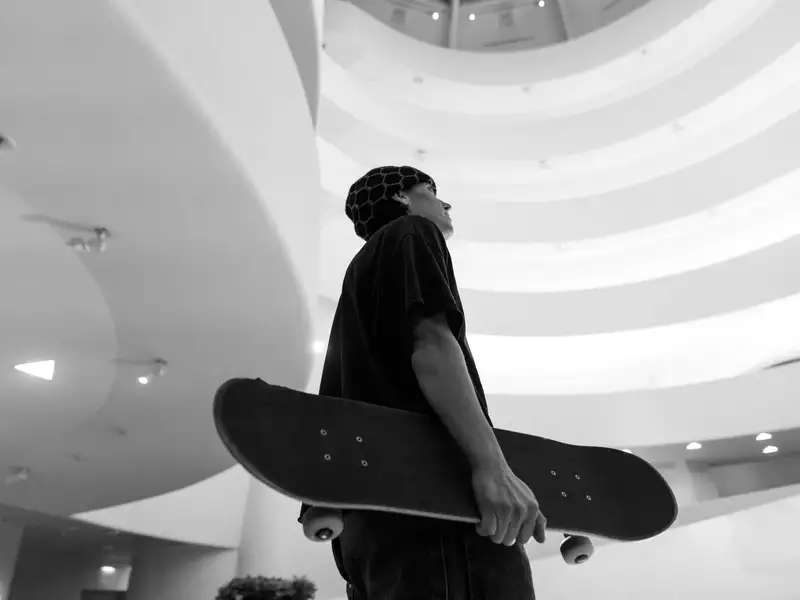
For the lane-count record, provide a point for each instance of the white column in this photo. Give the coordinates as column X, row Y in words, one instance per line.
column 10, row 538
column 455, row 9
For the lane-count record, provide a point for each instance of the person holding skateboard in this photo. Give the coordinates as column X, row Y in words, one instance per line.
column 398, row 336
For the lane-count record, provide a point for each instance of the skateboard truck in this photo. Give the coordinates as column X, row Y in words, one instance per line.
column 324, row 524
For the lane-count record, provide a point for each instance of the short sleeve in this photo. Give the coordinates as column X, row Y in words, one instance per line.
column 417, row 283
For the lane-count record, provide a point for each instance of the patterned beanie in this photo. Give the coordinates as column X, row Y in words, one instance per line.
column 369, row 202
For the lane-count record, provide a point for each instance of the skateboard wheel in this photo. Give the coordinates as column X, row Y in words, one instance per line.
column 576, row 549
column 322, row 524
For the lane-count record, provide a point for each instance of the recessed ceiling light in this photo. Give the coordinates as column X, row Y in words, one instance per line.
column 770, row 450
column 43, row 369
column 763, row 436
column 694, row 446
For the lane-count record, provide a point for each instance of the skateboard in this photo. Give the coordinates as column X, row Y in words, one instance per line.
column 335, row 453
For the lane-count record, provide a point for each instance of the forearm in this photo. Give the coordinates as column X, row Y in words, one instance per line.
column 442, row 374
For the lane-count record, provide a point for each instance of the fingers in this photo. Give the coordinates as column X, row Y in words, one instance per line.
column 507, row 529
column 541, row 524
column 487, row 526
column 533, row 524
column 494, row 527
column 527, row 529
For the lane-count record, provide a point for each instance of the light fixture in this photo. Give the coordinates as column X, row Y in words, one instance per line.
column 91, row 246
column 763, row 436
column 435, row 16
column 108, row 570
column 43, row 369
column 541, row 3
column 159, row 368
column 471, row 16
column 770, row 450
column 694, row 446
column 17, row 474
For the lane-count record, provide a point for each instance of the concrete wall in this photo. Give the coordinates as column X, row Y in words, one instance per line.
column 179, row 572
column 10, row 538
column 44, row 574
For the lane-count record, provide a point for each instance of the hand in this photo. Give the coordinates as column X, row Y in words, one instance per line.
column 509, row 509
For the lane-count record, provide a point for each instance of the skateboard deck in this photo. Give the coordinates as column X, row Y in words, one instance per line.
column 344, row 454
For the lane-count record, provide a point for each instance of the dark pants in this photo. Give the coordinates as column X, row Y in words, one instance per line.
column 385, row 556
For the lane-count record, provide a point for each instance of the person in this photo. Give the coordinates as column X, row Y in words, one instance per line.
column 398, row 340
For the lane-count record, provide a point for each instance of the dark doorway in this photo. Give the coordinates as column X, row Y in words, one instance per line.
column 102, row 595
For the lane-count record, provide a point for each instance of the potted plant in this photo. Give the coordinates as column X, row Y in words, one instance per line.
column 267, row 588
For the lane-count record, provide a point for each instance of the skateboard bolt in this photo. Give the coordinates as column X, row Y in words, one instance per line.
column 364, row 463
column 564, row 494
column 323, row 432
column 327, row 457
column 588, row 498
column 359, row 439
column 577, row 476
column 553, row 473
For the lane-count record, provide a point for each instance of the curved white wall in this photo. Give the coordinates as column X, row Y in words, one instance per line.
column 113, row 138
column 378, row 45
column 761, row 401
column 228, row 80
column 744, row 555
column 528, row 131
column 208, row 513
column 299, row 22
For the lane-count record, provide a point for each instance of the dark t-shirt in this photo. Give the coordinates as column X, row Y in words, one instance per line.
column 405, row 266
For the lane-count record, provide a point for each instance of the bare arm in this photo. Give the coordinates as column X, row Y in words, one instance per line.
column 441, row 370
column 509, row 509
